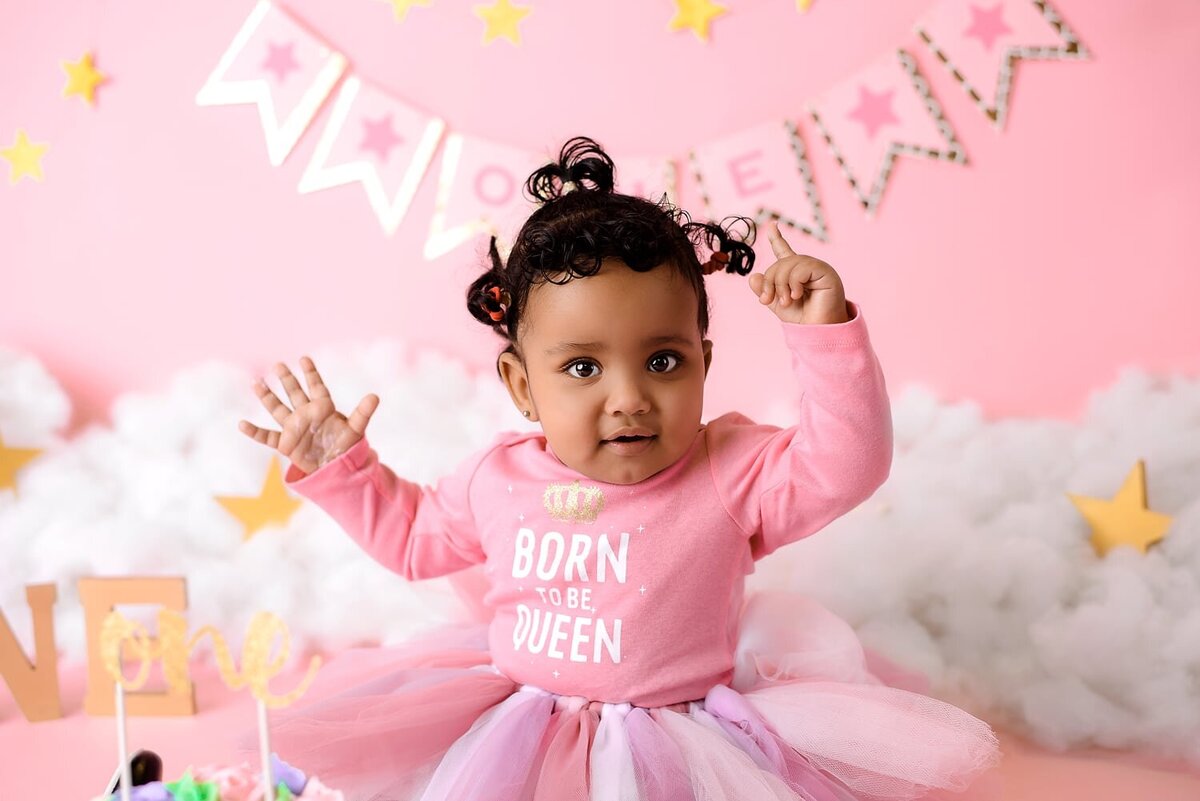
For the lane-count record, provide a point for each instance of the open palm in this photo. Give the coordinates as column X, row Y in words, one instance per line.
column 313, row 432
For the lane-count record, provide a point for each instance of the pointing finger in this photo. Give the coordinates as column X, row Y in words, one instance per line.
column 779, row 245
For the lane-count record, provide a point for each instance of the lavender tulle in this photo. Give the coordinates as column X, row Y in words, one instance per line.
column 809, row 716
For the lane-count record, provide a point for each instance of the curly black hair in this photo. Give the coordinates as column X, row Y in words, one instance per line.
column 581, row 221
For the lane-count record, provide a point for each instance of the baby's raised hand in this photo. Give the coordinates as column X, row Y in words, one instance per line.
column 314, row 432
column 799, row 289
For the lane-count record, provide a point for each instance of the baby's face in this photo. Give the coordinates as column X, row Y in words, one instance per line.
column 618, row 354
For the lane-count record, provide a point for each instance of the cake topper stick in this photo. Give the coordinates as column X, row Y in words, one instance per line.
column 122, row 744
column 257, row 670
column 264, row 747
column 115, row 630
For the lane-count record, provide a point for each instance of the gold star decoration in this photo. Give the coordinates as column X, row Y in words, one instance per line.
column 25, row 158
column 502, row 18
column 400, row 7
column 1126, row 519
column 696, row 14
column 82, row 78
column 273, row 505
column 12, row 460
column 803, row 5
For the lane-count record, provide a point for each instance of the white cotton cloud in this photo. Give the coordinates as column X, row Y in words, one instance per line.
column 972, row 566
column 969, row 565
column 138, row 498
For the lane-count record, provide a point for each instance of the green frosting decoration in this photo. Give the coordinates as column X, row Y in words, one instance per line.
column 188, row 789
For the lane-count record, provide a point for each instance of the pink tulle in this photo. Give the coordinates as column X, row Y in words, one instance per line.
column 496, row 758
column 565, row 770
column 811, row 716
column 657, row 760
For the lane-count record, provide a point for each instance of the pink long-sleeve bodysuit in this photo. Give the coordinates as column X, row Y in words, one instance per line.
column 630, row 593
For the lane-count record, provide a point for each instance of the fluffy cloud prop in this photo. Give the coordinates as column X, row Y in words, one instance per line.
column 969, row 565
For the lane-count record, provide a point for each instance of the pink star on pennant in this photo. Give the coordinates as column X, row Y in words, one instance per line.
column 378, row 137
column 280, row 60
column 987, row 25
column 874, row 110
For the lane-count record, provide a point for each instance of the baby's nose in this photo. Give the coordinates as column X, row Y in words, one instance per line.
column 628, row 396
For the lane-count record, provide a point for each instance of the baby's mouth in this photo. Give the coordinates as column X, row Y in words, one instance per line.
column 629, row 444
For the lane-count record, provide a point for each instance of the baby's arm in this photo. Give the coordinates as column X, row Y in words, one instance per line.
column 419, row 532
column 781, row 485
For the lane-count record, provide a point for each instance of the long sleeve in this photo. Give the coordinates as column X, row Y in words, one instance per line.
column 782, row 484
column 417, row 531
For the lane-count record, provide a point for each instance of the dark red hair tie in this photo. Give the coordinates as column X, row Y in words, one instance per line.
column 495, row 302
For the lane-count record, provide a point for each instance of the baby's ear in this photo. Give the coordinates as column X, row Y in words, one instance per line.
column 516, row 381
column 707, row 345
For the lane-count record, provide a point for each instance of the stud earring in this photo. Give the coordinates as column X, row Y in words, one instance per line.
column 526, row 412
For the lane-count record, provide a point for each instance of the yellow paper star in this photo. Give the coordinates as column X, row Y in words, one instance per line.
column 1126, row 519
column 803, row 5
column 696, row 14
column 25, row 158
column 400, row 7
column 12, row 460
column 273, row 505
column 502, row 18
column 82, row 79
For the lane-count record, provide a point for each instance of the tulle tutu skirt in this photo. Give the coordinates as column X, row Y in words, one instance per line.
column 809, row 716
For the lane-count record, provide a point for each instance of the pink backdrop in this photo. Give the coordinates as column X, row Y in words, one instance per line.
column 162, row 236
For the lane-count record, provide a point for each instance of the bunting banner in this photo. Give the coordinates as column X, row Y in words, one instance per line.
column 883, row 110
column 378, row 141
column 648, row 177
column 764, row 168
column 480, row 190
column 283, row 69
column 980, row 45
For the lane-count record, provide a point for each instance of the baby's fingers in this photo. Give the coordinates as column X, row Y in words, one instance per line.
column 779, row 245
column 362, row 414
column 274, row 406
column 796, row 283
column 763, row 286
column 295, row 392
column 316, row 386
column 263, row 435
column 783, row 285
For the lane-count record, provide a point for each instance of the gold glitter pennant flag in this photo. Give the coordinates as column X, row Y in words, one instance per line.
column 980, row 44
column 764, row 168
column 883, row 111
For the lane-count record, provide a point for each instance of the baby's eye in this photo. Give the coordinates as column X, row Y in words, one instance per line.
column 582, row 368
column 663, row 362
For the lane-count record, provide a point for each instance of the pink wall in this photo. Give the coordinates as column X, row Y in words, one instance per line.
column 162, row 236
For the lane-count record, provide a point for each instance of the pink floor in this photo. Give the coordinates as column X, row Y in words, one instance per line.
column 71, row 758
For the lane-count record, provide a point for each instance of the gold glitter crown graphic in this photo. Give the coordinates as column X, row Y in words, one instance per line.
column 572, row 503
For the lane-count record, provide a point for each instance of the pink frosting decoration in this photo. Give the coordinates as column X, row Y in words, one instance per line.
column 234, row 783
column 244, row 783
column 315, row 791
